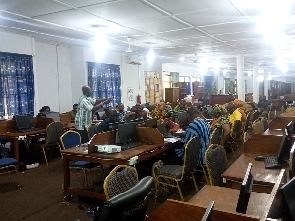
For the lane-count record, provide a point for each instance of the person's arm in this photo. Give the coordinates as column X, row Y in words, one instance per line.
column 226, row 133
column 100, row 105
column 100, row 100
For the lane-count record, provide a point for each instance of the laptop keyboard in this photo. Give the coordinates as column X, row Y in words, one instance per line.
column 271, row 162
column 130, row 145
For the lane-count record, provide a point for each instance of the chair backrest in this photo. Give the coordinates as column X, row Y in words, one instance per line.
column 53, row 132
column 70, row 139
column 129, row 205
column 265, row 123
column 248, row 121
column 245, row 192
column 288, row 195
column 208, row 213
column 271, row 116
column 255, row 116
column 92, row 130
column 258, row 127
column 215, row 136
column 191, row 155
column 216, row 162
column 238, row 126
column 120, row 179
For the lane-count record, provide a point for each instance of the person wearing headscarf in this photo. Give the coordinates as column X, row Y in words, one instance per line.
column 160, row 111
column 221, row 122
column 181, row 106
column 239, row 104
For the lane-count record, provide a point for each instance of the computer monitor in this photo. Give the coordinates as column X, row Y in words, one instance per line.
column 54, row 115
column 127, row 133
column 151, row 123
column 162, row 128
column 208, row 213
column 288, row 195
column 182, row 118
column 245, row 191
column 283, row 147
column 24, row 121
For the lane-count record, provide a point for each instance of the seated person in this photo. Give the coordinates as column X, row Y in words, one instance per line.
column 168, row 106
column 263, row 103
column 181, row 106
column 234, row 116
column 106, row 113
column 221, row 122
column 43, row 111
column 139, row 111
column 122, row 114
column 198, row 127
column 240, row 106
column 160, row 111
column 107, row 119
column 73, row 112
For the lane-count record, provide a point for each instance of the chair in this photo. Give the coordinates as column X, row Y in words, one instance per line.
column 248, row 122
column 255, row 116
column 208, row 212
column 215, row 136
column 271, row 116
column 9, row 165
column 237, row 139
column 72, row 139
column 216, row 162
column 288, row 195
column 172, row 175
column 265, row 123
column 258, row 127
column 120, row 179
column 53, row 132
column 127, row 206
column 92, row 130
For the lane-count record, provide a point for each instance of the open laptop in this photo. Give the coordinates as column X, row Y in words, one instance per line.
column 25, row 123
column 54, row 115
column 163, row 130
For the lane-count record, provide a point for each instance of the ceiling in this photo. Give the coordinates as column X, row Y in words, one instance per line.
column 212, row 30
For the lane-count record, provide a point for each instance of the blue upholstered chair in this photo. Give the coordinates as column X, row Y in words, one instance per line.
column 9, row 165
column 72, row 139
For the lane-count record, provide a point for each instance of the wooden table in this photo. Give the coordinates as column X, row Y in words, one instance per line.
column 122, row 158
column 264, row 179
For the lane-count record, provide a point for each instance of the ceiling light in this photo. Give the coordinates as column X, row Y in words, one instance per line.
column 150, row 56
column 100, row 45
column 129, row 49
column 182, row 58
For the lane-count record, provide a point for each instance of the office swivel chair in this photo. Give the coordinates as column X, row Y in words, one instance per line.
column 127, row 206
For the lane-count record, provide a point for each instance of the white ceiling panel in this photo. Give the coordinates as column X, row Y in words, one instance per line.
column 238, row 35
column 213, row 16
column 83, row 3
column 196, row 40
column 179, row 34
column 31, row 8
column 183, row 6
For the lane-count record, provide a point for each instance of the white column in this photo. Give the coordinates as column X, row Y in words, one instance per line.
column 240, row 77
column 255, row 83
column 265, row 84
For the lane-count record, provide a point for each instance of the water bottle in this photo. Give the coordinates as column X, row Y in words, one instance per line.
column 11, row 116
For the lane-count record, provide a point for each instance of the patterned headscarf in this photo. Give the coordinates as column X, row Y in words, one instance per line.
column 239, row 103
column 220, row 109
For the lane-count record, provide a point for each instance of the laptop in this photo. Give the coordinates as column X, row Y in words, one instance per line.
column 54, row 115
column 163, row 130
column 25, row 123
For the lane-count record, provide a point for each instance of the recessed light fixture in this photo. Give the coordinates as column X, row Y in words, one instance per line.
column 182, row 58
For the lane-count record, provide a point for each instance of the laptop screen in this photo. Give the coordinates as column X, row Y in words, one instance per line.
column 162, row 128
column 24, row 121
column 127, row 132
column 54, row 115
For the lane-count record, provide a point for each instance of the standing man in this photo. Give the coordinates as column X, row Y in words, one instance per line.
column 86, row 107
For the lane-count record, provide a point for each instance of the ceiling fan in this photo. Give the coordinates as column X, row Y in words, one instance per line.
column 194, row 60
column 129, row 49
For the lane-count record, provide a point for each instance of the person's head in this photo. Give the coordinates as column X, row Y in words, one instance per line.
column 45, row 109
column 75, row 108
column 107, row 111
column 182, row 103
column 112, row 116
column 120, row 107
column 86, row 91
column 192, row 113
column 231, row 107
column 161, row 106
column 218, row 110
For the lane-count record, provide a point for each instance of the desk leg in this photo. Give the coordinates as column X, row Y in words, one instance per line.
column 16, row 150
column 66, row 170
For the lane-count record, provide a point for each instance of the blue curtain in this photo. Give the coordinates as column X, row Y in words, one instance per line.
column 105, row 81
column 16, row 84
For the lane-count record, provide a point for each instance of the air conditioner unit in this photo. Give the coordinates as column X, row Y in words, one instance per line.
column 133, row 60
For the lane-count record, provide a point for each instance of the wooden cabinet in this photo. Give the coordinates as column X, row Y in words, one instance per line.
column 182, row 89
column 221, row 99
column 171, row 94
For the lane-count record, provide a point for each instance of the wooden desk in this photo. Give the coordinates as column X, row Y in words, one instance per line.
column 9, row 132
column 281, row 122
column 264, row 179
column 87, row 154
column 173, row 210
column 275, row 132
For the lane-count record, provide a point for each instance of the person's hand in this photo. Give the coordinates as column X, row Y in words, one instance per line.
column 110, row 99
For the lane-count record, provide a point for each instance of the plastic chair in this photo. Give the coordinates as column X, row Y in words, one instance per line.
column 9, row 165
column 120, row 179
column 172, row 175
column 217, row 163
column 129, row 205
column 258, row 127
column 72, row 139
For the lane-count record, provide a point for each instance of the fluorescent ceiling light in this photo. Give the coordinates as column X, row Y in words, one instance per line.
column 150, row 56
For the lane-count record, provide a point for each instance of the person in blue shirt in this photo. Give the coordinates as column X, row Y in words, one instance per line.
column 200, row 128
